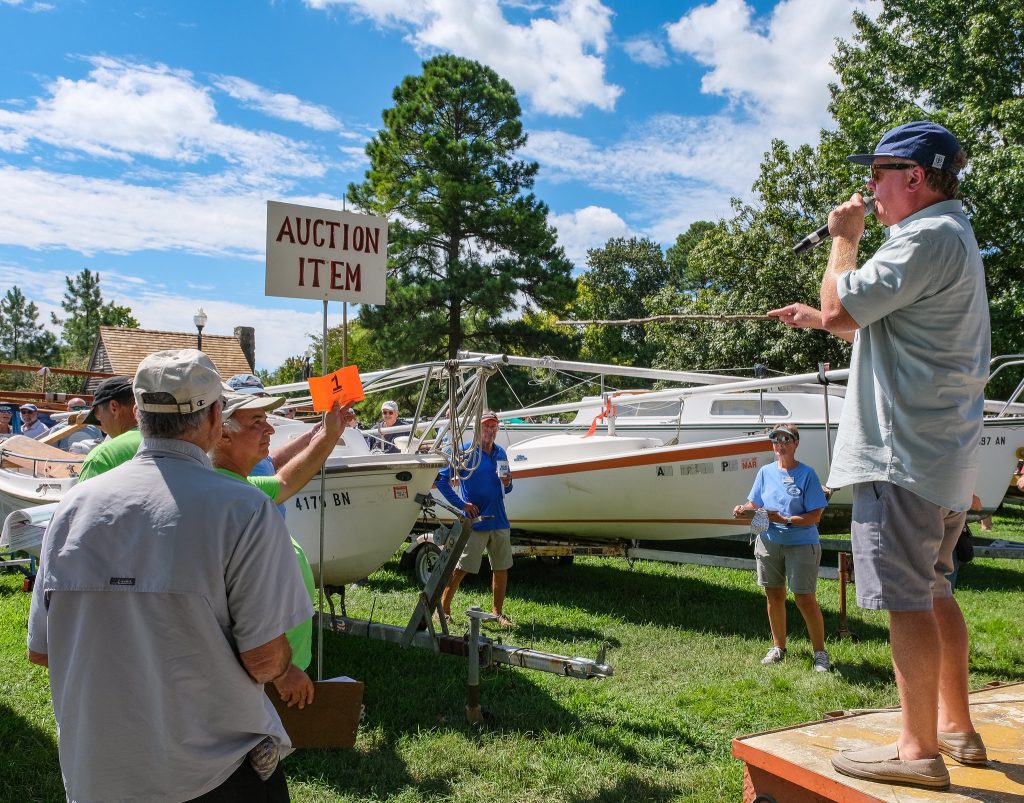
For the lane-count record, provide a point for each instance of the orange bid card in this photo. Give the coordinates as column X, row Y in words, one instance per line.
column 343, row 386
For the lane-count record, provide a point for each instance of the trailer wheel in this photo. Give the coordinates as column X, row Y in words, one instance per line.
column 423, row 562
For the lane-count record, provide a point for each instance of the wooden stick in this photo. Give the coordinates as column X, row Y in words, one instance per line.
column 631, row 321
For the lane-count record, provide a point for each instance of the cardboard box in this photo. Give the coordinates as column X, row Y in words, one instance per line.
column 331, row 720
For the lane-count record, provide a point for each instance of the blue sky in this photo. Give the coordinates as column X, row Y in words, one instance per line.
column 143, row 139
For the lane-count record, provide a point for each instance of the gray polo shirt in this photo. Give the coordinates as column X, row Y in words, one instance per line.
column 153, row 577
column 913, row 409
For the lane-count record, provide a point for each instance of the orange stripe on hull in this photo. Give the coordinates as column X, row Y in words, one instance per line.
column 647, row 457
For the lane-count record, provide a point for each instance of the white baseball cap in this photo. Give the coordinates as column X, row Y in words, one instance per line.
column 187, row 375
column 389, row 405
column 233, row 402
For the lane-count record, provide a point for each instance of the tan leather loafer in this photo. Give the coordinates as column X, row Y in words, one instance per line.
column 884, row 765
column 967, row 748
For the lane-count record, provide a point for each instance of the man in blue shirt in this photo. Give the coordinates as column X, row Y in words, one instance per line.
column 483, row 490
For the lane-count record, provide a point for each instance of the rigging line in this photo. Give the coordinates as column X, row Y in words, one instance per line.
column 515, row 395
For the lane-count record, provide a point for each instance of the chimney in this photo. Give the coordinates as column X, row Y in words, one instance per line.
column 246, row 336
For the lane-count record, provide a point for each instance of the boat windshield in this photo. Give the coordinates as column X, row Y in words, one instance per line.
column 749, row 407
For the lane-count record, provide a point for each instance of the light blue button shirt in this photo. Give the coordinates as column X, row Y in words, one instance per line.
column 913, row 409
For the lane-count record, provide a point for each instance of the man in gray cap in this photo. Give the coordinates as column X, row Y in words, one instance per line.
column 152, row 613
column 917, row 314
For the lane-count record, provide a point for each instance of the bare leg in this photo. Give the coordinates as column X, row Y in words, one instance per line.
column 954, row 707
column 499, row 584
column 916, row 657
column 777, row 614
column 808, row 606
column 449, row 590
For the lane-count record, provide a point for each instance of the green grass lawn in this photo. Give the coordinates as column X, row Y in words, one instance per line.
column 685, row 641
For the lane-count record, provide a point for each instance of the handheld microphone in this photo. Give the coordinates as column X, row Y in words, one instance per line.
column 819, row 236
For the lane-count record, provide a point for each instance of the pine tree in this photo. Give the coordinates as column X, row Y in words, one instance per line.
column 22, row 338
column 86, row 313
column 470, row 248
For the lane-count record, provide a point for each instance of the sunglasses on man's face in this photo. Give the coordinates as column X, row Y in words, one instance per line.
column 782, row 439
column 876, row 169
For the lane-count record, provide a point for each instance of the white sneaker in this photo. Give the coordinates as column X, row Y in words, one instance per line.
column 821, row 661
column 774, row 656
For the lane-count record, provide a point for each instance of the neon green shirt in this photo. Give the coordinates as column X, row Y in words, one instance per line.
column 300, row 637
column 110, row 454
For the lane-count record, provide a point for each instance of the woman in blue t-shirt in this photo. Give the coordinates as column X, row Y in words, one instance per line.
column 791, row 494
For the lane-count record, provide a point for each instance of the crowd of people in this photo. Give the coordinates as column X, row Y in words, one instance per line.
column 187, row 469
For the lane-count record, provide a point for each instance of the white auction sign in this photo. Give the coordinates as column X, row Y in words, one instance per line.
column 325, row 254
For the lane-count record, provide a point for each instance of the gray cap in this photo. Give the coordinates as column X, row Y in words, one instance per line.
column 233, row 402
column 187, row 375
column 390, row 405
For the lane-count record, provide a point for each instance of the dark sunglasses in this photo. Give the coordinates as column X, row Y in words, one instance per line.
column 782, row 439
column 875, row 175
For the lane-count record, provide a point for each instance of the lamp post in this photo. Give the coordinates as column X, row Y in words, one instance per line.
column 199, row 319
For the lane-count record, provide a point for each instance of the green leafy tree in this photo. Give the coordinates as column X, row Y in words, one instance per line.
column 682, row 274
column 956, row 63
column 960, row 65
column 470, row 247
column 22, row 337
column 619, row 278
column 86, row 313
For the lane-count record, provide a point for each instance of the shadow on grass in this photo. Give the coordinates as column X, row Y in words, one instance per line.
column 629, row 788
column 647, row 598
column 13, row 590
column 407, row 692
column 31, row 771
column 975, row 576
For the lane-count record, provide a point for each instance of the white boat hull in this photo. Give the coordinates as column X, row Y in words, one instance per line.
column 1002, row 442
column 611, row 489
column 370, row 508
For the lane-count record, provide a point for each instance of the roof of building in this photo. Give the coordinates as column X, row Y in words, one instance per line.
column 119, row 351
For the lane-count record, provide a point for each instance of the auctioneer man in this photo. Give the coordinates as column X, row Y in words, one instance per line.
column 152, row 611
column 917, row 314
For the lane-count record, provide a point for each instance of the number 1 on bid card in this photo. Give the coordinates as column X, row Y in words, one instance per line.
column 343, row 386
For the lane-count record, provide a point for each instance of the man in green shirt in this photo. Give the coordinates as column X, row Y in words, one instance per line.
column 113, row 410
column 244, row 441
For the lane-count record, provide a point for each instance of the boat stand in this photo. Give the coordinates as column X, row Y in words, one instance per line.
column 793, row 765
column 478, row 649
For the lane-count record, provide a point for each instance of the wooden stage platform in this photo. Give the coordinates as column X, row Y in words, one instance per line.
column 793, row 765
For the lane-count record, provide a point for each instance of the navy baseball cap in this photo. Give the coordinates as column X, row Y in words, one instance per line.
column 246, row 383
column 928, row 144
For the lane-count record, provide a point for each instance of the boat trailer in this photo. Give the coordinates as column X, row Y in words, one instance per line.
column 479, row 650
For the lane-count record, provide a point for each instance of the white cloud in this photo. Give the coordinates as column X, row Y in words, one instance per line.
column 124, row 111
column 39, row 209
column 278, row 104
column 644, row 50
column 280, row 332
column 206, row 216
column 677, row 169
column 30, row 7
column 777, row 68
column 589, row 227
column 556, row 60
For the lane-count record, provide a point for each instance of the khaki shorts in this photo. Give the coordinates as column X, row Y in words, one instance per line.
column 797, row 563
column 902, row 547
column 498, row 544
